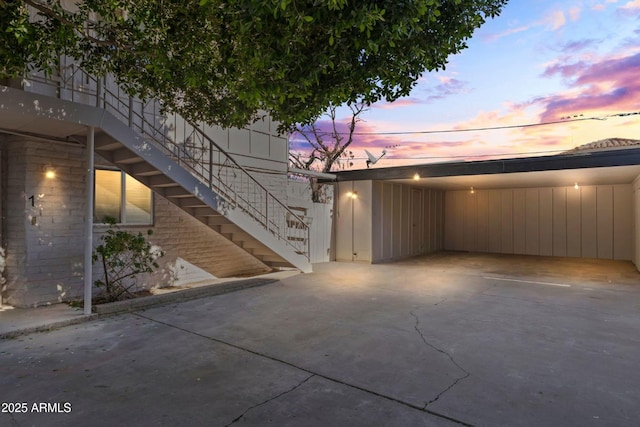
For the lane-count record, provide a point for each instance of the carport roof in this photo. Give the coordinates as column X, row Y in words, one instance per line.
column 612, row 166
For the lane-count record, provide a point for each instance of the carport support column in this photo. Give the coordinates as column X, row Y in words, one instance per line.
column 88, row 222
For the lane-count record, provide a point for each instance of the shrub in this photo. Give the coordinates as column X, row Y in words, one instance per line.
column 123, row 255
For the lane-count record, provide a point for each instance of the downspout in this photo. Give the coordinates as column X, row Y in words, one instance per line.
column 88, row 222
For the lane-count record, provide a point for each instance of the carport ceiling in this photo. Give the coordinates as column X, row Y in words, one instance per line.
column 620, row 166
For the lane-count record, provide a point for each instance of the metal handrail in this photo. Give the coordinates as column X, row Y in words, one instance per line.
column 189, row 145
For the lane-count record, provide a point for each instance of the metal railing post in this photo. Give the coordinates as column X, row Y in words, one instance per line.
column 98, row 91
column 210, row 165
column 243, row 191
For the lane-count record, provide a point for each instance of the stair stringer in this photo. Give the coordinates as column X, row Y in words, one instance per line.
column 28, row 107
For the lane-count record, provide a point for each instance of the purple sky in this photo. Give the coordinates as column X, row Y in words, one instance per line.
column 540, row 61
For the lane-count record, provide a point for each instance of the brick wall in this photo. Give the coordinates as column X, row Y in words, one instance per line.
column 45, row 242
column 44, row 220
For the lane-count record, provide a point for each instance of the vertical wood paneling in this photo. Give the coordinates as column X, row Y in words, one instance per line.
column 589, row 222
column 482, row 228
column 396, row 248
column 604, row 218
column 519, row 221
column 506, row 215
column 560, row 221
column 405, row 248
column 636, row 221
column 532, row 222
column 574, row 223
column 623, row 200
column 495, row 223
column 546, row 221
column 387, row 220
column 470, row 221
column 456, row 211
column 426, row 230
column 437, row 224
column 377, row 223
column 416, row 235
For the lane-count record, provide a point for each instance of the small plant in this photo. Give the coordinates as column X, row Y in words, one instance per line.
column 123, row 255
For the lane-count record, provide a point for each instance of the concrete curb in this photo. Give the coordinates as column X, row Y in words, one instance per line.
column 49, row 326
column 114, row 308
column 179, row 296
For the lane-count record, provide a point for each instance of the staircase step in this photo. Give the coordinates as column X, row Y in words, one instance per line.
column 229, row 228
column 143, row 169
column 176, row 193
column 214, row 220
column 190, row 202
column 124, row 156
column 202, row 212
column 159, row 181
column 104, row 142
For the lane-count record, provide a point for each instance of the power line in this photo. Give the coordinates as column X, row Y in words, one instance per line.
column 526, row 125
column 392, row 157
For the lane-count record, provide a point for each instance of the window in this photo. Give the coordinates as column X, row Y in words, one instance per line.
column 120, row 196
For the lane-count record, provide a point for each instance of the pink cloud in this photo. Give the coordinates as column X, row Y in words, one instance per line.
column 556, row 20
column 510, row 31
column 574, row 13
column 610, row 85
column 631, row 5
column 553, row 21
column 403, row 102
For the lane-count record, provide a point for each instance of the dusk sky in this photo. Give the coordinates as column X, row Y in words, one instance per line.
column 540, row 61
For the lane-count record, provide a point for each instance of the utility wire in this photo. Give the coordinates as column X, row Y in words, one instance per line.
column 392, row 157
column 527, row 125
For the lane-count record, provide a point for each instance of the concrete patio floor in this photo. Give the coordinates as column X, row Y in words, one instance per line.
column 441, row 340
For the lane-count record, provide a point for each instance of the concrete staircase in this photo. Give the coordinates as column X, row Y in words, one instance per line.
column 210, row 186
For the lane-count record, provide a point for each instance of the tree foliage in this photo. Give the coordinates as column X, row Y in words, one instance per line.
column 222, row 61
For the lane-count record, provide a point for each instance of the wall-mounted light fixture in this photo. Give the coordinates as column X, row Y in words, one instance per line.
column 472, row 191
column 49, row 171
column 576, row 186
column 416, row 177
column 352, row 194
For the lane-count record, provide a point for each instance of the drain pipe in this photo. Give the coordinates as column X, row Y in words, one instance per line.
column 88, row 222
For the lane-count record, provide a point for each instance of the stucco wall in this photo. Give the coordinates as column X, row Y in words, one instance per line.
column 589, row 222
column 45, row 242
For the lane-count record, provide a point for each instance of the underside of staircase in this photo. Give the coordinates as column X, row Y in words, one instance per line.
column 275, row 243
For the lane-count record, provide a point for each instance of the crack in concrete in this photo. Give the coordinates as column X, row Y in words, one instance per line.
column 312, row 373
column 239, row 417
column 439, row 350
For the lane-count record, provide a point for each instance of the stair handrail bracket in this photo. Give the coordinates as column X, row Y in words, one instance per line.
column 186, row 143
